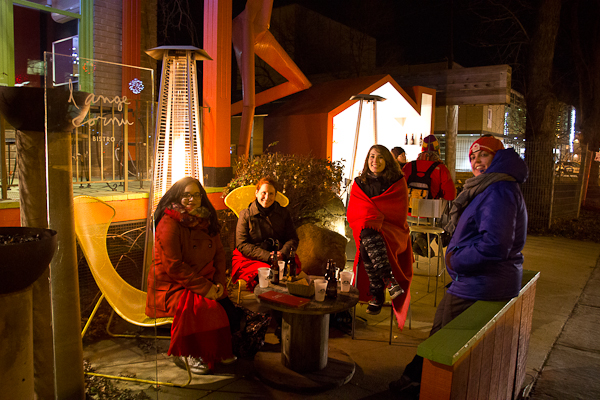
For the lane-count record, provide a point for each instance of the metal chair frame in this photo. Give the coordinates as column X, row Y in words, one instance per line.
column 430, row 208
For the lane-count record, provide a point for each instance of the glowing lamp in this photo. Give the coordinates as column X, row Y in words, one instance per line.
column 178, row 145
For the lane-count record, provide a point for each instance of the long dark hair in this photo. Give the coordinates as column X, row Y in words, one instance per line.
column 391, row 173
column 175, row 194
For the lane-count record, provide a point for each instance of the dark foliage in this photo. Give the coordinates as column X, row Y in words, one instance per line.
column 309, row 183
column 584, row 228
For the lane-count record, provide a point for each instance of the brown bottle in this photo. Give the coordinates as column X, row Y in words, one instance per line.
column 291, row 266
column 331, row 291
column 274, row 275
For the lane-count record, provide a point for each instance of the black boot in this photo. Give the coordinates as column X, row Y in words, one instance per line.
column 375, row 304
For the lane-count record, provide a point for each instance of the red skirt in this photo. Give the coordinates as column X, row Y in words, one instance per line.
column 200, row 329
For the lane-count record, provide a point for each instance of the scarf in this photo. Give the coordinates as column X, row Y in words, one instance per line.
column 472, row 188
column 264, row 211
column 197, row 218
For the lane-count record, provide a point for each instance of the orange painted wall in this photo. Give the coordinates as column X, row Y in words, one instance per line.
column 126, row 210
column 216, row 85
column 10, row 217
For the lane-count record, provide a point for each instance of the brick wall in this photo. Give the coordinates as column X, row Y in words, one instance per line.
column 108, row 44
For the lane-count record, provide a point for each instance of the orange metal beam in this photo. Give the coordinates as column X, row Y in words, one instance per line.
column 216, row 116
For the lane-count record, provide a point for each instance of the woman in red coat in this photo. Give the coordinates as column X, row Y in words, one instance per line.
column 187, row 278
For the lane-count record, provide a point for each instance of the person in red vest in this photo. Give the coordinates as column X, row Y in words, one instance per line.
column 442, row 185
column 430, row 173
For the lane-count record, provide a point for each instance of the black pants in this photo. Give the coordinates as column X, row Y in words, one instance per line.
column 449, row 308
column 233, row 314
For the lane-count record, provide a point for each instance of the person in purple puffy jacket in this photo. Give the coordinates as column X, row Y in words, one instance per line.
column 488, row 223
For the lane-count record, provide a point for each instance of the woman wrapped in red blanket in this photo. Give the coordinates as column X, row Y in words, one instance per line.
column 377, row 213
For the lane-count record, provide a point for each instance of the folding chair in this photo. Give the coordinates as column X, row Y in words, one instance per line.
column 92, row 219
column 430, row 208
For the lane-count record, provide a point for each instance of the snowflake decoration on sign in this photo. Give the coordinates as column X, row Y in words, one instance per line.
column 89, row 67
column 136, row 86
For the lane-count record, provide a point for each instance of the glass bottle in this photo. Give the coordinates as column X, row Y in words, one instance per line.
column 421, row 140
column 291, row 265
column 406, row 139
column 331, row 291
column 274, row 276
column 412, row 139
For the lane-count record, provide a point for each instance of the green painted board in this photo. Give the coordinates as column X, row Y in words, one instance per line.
column 450, row 343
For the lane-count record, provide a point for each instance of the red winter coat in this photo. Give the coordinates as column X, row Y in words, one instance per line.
column 442, row 185
column 184, row 258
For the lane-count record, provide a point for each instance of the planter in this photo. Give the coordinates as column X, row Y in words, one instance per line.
column 21, row 264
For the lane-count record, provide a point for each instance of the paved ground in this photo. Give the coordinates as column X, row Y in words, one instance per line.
column 565, row 322
column 573, row 365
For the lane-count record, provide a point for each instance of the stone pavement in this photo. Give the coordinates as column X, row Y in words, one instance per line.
column 563, row 326
column 573, row 365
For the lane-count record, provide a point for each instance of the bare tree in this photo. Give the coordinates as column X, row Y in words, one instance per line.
column 177, row 19
column 585, row 45
column 542, row 112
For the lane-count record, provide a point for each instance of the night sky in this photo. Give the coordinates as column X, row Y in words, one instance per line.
column 470, row 32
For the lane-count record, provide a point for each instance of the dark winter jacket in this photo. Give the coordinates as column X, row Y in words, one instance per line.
column 253, row 229
column 484, row 255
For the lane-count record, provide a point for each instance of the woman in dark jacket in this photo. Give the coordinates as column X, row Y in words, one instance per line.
column 262, row 228
column 489, row 224
column 187, row 279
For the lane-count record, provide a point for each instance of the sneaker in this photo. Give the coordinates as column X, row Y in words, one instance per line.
column 403, row 384
column 395, row 290
column 374, row 306
column 196, row 365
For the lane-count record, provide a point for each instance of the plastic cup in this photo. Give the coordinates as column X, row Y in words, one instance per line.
column 346, row 280
column 263, row 277
column 320, row 288
column 281, row 269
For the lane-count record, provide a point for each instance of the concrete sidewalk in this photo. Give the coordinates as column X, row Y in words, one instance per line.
column 565, row 265
column 572, row 368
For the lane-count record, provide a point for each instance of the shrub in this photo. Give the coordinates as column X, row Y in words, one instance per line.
column 310, row 183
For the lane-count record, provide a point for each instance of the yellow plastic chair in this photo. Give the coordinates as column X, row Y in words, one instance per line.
column 239, row 199
column 92, row 219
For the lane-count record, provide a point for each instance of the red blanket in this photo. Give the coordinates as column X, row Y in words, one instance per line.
column 246, row 269
column 385, row 213
column 200, row 329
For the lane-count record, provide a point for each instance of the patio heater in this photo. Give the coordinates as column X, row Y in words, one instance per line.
column 178, row 138
column 369, row 98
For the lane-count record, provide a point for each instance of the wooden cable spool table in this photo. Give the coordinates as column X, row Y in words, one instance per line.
column 310, row 364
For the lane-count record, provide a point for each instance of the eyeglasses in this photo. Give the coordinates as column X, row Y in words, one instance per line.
column 189, row 196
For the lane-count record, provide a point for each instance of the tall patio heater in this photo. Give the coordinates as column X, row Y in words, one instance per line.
column 178, row 139
column 369, row 98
